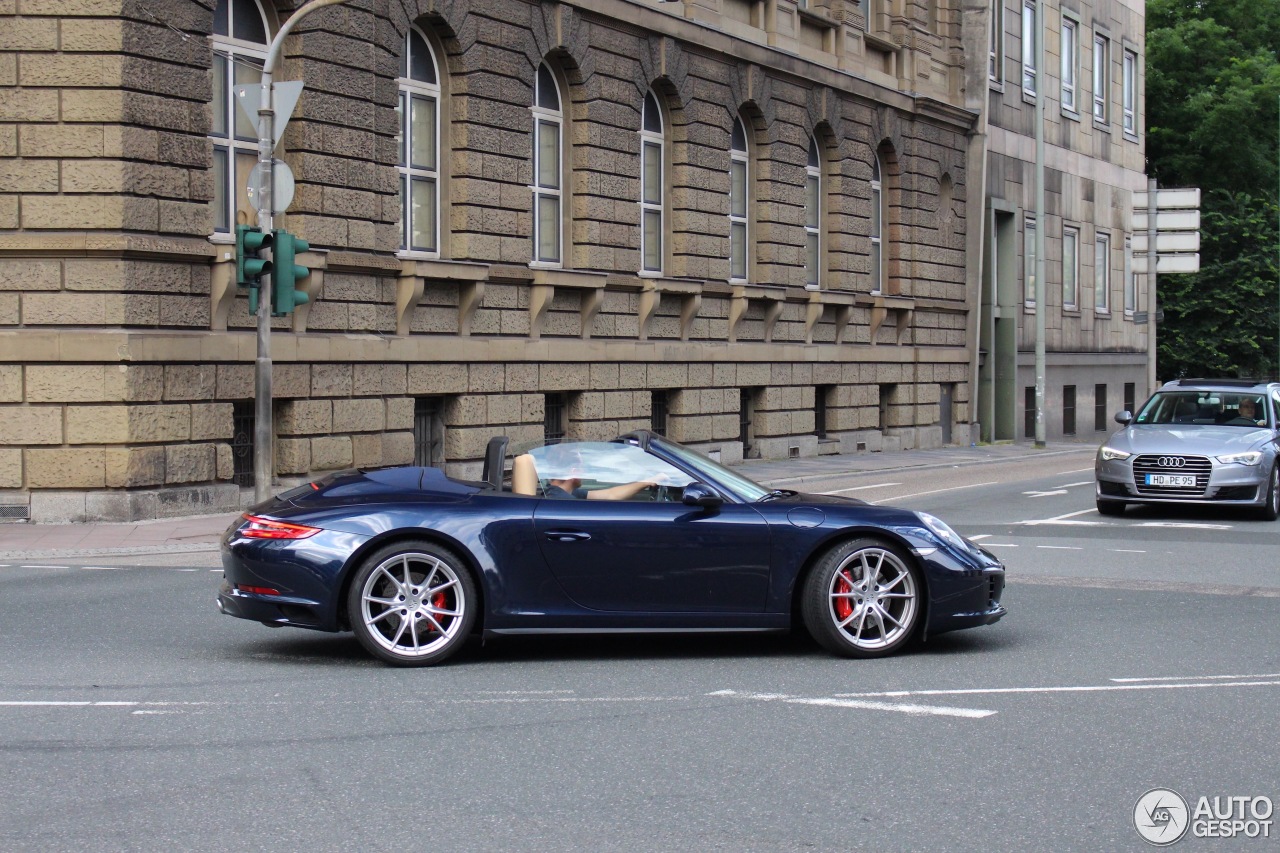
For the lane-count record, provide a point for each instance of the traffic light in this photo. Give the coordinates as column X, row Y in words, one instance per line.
column 288, row 272
column 250, row 266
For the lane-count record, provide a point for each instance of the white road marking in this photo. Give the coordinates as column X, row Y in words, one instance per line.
column 914, row 710
column 1186, row 525
column 1060, row 547
column 1057, row 518
column 860, row 488
column 979, row 537
column 999, row 545
column 1196, row 678
column 43, row 567
column 933, row 492
column 1045, row 494
column 1101, row 688
column 103, row 568
column 1126, row 551
column 1073, row 485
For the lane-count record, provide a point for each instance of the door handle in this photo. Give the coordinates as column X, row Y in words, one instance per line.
column 567, row 536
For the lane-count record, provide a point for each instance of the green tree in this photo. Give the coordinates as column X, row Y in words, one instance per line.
column 1213, row 105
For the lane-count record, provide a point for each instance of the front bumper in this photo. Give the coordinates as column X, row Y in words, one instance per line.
column 1241, row 485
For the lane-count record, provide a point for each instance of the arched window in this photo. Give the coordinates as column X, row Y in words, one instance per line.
column 739, row 181
column 813, row 217
column 548, row 129
column 877, row 226
column 419, row 165
column 652, row 213
column 239, row 49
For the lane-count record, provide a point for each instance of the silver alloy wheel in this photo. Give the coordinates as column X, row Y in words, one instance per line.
column 1274, row 496
column 873, row 598
column 413, row 604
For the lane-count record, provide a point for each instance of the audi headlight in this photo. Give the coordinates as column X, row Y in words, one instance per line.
column 943, row 531
column 1106, row 454
column 1249, row 457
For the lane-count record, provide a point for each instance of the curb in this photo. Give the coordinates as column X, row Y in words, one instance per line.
column 137, row 550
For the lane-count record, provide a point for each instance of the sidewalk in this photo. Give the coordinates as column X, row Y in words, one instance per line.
column 195, row 534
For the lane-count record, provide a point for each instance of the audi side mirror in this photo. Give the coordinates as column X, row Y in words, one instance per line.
column 1124, row 418
column 701, row 495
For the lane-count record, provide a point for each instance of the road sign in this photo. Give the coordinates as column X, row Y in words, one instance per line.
column 1167, row 263
column 1168, row 220
column 249, row 96
column 1173, row 199
column 282, row 197
column 1168, row 242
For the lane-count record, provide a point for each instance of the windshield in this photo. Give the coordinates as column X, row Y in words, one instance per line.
column 1224, row 408
column 748, row 490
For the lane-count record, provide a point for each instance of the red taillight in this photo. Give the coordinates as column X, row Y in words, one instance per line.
column 257, row 590
column 257, row 527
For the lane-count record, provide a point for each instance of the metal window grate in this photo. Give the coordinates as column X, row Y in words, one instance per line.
column 1069, row 410
column 820, row 395
column 1029, row 412
column 428, row 432
column 553, row 419
column 1130, row 392
column 746, row 409
column 1099, row 407
column 243, row 422
column 659, row 406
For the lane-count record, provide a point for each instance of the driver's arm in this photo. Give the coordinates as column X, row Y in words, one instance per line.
column 619, row 493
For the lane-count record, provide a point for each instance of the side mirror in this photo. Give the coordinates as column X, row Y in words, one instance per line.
column 1124, row 418
column 701, row 495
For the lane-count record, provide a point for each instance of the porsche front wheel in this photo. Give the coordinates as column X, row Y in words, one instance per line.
column 412, row 603
column 863, row 599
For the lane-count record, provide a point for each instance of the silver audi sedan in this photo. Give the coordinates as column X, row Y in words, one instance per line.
column 1199, row 441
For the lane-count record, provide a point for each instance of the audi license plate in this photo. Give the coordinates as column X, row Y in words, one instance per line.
column 1177, row 481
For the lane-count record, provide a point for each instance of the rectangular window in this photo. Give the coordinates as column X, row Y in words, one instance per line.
column 243, row 425
column 547, row 191
column 1029, row 34
column 1029, row 412
column 812, row 219
column 1029, row 263
column 746, row 417
column 651, row 206
column 428, row 432
column 1099, row 407
column 1070, row 266
column 1130, row 92
column 1069, row 64
column 995, row 56
column 1130, row 278
column 1069, row 410
column 886, row 400
column 738, row 217
column 1130, row 396
column 821, row 395
column 1102, row 273
column 1101, row 79
column 659, row 405
column 554, row 418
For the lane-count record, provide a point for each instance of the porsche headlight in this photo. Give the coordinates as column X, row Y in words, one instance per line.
column 943, row 531
column 1106, row 453
column 1249, row 457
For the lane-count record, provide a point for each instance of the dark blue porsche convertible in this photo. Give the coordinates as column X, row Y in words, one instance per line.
column 638, row 534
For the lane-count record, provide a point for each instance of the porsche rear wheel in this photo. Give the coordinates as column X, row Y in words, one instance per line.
column 412, row 603
column 863, row 599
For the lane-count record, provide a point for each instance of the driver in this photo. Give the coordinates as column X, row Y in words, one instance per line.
column 1249, row 410
column 569, row 484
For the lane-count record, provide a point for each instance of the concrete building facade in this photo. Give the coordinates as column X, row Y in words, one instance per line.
column 1094, row 138
column 740, row 222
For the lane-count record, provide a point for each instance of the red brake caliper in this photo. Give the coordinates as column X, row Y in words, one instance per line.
column 844, row 607
column 438, row 601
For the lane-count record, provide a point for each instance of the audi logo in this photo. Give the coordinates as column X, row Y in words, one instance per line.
column 1172, row 462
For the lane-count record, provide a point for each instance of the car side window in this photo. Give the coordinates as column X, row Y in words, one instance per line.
column 605, row 470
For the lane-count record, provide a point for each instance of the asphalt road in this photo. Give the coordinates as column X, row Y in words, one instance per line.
column 1139, row 652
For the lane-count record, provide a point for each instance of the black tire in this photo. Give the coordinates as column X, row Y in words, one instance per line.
column 844, row 619
column 1270, row 511
column 412, row 603
column 1110, row 507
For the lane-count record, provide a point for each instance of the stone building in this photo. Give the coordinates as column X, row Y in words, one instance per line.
column 742, row 223
column 1094, row 137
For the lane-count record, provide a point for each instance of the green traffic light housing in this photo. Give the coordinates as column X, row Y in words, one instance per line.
column 288, row 272
column 250, row 267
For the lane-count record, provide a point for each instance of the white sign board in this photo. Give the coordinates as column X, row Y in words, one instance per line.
column 249, row 97
column 1168, row 241
column 1168, row 220
column 1184, row 199
column 1167, row 263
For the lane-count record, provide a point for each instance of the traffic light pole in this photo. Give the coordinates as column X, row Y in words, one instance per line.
column 264, row 428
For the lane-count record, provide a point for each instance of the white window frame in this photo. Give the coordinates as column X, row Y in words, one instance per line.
column 409, row 89
column 877, row 225
column 1102, row 272
column 544, row 193
column 739, row 203
column 649, row 140
column 813, row 216
column 1028, row 261
column 995, row 49
column 1069, row 44
column 1101, row 77
column 232, row 50
column 1129, row 89
column 1070, row 267
column 1130, row 279
column 1029, row 35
